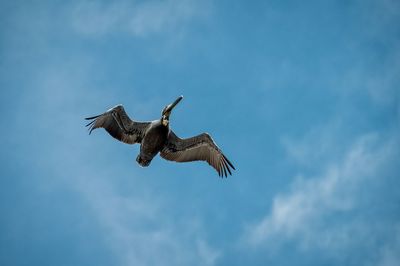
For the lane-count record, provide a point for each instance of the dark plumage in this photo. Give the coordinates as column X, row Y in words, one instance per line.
column 156, row 136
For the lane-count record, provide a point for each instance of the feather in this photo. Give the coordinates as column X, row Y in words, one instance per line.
column 198, row 148
column 118, row 124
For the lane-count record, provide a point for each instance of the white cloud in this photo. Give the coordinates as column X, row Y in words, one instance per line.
column 303, row 214
column 208, row 254
column 139, row 18
column 138, row 229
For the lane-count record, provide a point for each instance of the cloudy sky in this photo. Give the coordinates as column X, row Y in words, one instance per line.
column 302, row 96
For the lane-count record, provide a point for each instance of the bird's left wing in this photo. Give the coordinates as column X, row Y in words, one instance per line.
column 118, row 124
column 198, row 148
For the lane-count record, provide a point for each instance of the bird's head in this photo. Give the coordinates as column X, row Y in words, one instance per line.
column 166, row 112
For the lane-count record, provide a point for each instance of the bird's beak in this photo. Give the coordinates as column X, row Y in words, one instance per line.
column 172, row 105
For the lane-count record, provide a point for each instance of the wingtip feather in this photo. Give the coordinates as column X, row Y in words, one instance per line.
column 92, row 117
column 227, row 167
column 91, row 122
column 229, row 162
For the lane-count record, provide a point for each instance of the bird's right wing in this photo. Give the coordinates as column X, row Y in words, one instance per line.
column 198, row 148
column 118, row 124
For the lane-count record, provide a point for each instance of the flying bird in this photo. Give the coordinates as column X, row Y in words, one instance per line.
column 156, row 137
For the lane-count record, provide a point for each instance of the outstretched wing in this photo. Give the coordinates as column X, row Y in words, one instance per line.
column 118, row 124
column 198, row 148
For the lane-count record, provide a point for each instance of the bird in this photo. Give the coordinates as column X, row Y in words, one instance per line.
column 157, row 137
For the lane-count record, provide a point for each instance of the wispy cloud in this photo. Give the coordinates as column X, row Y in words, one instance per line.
column 139, row 18
column 138, row 229
column 332, row 208
column 305, row 214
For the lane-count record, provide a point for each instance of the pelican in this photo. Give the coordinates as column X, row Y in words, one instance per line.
column 156, row 137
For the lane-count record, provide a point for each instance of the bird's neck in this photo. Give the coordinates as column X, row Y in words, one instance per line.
column 164, row 121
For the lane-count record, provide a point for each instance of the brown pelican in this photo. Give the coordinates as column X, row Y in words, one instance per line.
column 156, row 137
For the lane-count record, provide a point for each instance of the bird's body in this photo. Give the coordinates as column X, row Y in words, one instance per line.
column 153, row 142
column 156, row 137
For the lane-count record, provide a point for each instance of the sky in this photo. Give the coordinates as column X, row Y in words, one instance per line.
column 302, row 96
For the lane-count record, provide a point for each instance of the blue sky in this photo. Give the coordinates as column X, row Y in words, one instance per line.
column 303, row 97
